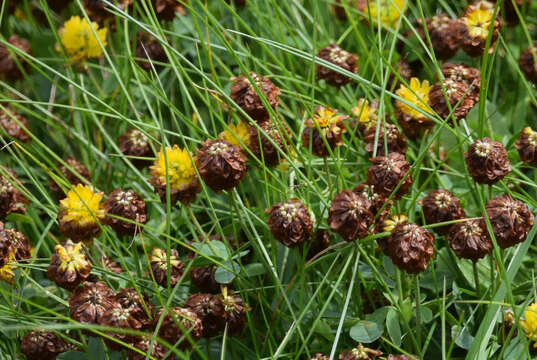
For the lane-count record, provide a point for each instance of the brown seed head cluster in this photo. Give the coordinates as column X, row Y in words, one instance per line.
column 487, row 161
column 388, row 140
column 190, row 328
column 470, row 239
column 264, row 149
column 410, row 247
column 380, row 206
column 124, row 210
column 459, row 99
column 441, row 206
column 137, row 304
column 339, row 57
column 42, row 345
column 464, row 74
column 12, row 64
column 387, row 172
column 290, row 222
column 136, row 145
column 14, row 125
column 89, row 302
column 443, row 34
column 350, row 215
column 244, row 94
column 11, row 198
column 527, row 146
column 473, row 28
column 527, row 62
column 69, row 265
column 210, row 310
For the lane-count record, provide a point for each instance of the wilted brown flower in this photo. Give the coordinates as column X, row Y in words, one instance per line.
column 470, row 239
column 473, row 27
column 69, row 265
column 14, row 124
column 263, row 148
column 320, row 356
column 441, row 206
column 290, row 222
column 220, row 164
column 74, row 173
column 244, row 94
column 15, row 243
column 159, row 351
column 10, row 62
column 487, row 161
column 466, row 74
column 387, row 172
column 6, row 248
column 167, row 9
column 527, row 146
column 134, row 143
column 89, row 302
column 137, row 304
column 339, row 57
column 459, row 96
column 387, row 224
column 210, row 309
column 388, row 138
column 527, row 62
column 111, row 265
column 360, row 352
column 11, row 199
column 235, row 312
column 42, row 345
column 443, row 34
column 127, row 205
column 191, row 326
column 410, row 247
column 120, row 318
column 100, row 12
column 511, row 220
column 324, row 131
column 159, row 266
column 149, row 51
column 203, row 278
column 377, row 200
column 350, row 215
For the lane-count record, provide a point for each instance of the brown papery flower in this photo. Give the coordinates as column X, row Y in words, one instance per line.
column 324, row 131
column 245, row 96
column 388, row 138
column 137, row 304
column 441, row 206
column 166, row 10
column 487, row 161
column 13, row 242
column 511, row 220
column 120, row 318
column 443, row 34
column 158, row 352
column 210, row 309
column 203, row 278
column 191, row 326
column 149, row 51
column 42, row 345
column 159, row 266
column 470, row 239
column 134, row 143
column 360, row 352
column 350, row 215
column 387, row 172
column 527, row 62
column 466, row 74
column 527, row 146
column 14, row 124
column 220, row 164
column 457, row 93
column 69, row 265
column 11, row 199
column 89, row 302
column 235, row 312
column 263, row 148
column 377, row 200
column 10, row 62
column 473, row 27
column 410, row 247
column 290, row 222
column 337, row 56
column 127, row 205
column 74, row 172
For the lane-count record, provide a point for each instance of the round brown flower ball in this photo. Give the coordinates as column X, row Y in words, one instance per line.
column 459, row 96
column 74, row 172
column 210, row 309
column 220, row 164
column 324, row 132
column 11, row 62
column 89, row 302
column 137, row 304
column 158, row 352
column 121, row 204
column 290, row 222
column 443, row 34
column 441, row 206
column 135, row 145
column 13, row 242
column 264, row 149
column 203, row 278
column 69, row 265
column 410, row 247
column 235, row 312
column 511, row 220
column 527, row 146
column 360, row 352
column 149, row 52
column 191, row 327
column 12, row 199
column 42, row 345
column 380, row 206
column 487, row 161
column 120, row 318
column 14, row 124
column 337, row 56
column 470, row 239
column 6, row 248
column 166, row 10
column 389, row 138
column 473, row 28
column 245, row 96
column 350, row 215
column 387, row 172
column 465, row 74
column 159, row 266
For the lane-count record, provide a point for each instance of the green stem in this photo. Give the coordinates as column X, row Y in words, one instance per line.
column 418, row 309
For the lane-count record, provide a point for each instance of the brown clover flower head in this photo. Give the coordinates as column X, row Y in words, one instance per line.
column 137, row 304
column 470, row 239
column 360, row 352
column 149, row 51
column 386, row 172
column 339, row 9
column 443, row 34
column 159, row 266
column 89, row 302
column 466, row 74
column 473, row 27
column 235, row 312
column 121, row 318
column 166, row 10
column 14, row 124
column 10, row 62
column 127, row 205
column 99, row 12
column 377, row 200
column 527, row 62
column 203, row 278
column 337, row 56
column 220, row 164
column 136, row 144
column 487, row 161
column 320, row 356
column 410, row 247
column 111, row 265
column 190, row 327
column 11, row 199
column 387, row 224
column 210, row 309
column 245, row 96
column 290, row 222
column 350, row 215
column 527, row 146
column 6, row 248
column 159, row 351
column 13, row 242
column 459, row 96
column 388, row 138
column 263, row 148
column 69, row 265
column 42, row 345
column 74, row 173
column 324, row 131
column 441, row 206
column 511, row 220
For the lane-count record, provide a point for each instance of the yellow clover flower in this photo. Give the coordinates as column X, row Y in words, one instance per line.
column 6, row 271
column 388, row 11
column 478, row 19
column 529, row 324
column 236, row 132
column 78, row 38
column 181, row 170
column 82, row 205
column 417, row 95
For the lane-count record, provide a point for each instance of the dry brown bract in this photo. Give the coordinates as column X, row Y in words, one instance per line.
column 267, row 152
column 337, row 56
column 10, row 62
column 466, row 74
column 14, row 124
column 138, row 306
column 159, row 266
column 511, row 220
column 210, row 309
column 134, row 143
column 441, row 206
column 89, row 302
column 191, row 326
column 128, row 205
column 473, row 28
column 443, row 34
column 527, row 62
column 527, row 146
column 459, row 97
column 388, row 138
column 11, row 199
column 487, row 161
column 350, row 215
column 290, row 222
column 245, row 96
column 42, row 345
column 470, row 239
column 386, row 172
column 410, row 247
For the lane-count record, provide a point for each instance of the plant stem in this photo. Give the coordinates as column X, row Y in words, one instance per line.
column 418, row 309
column 476, row 278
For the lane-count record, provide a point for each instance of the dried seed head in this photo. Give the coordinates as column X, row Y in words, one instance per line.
column 121, row 318
column 459, row 96
column 89, row 302
column 443, row 34
column 245, row 96
column 473, row 28
column 388, row 138
column 441, row 206
column 377, row 201
column 149, row 51
column 203, row 278
column 220, row 164
column 410, row 247
column 166, row 10
column 42, row 345
column 13, row 243
column 511, row 220
column 138, row 306
column 527, row 146
column 360, row 352
column 290, row 222
column 11, row 63
column 350, row 215
column 134, row 143
column 69, row 265
column 263, row 148
column 387, row 172
column 159, row 266
column 527, row 62
column 11, row 199
column 326, row 127
column 487, row 161
column 337, row 56
column 190, row 328
column 127, row 205
column 210, row 309
column 470, row 239
column 235, row 312
column 466, row 74
column 14, row 124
